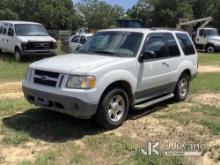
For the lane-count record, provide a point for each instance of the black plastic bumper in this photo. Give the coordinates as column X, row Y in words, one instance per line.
column 38, row 53
column 59, row 103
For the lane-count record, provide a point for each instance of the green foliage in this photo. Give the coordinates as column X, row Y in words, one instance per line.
column 99, row 14
column 166, row 13
column 161, row 13
column 56, row 14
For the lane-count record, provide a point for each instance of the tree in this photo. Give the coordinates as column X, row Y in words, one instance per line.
column 7, row 14
column 98, row 14
column 162, row 13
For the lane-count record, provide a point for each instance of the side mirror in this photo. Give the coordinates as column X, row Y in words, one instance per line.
column 147, row 55
column 10, row 33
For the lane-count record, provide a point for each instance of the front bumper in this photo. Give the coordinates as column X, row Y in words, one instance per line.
column 38, row 53
column 60, row 103
column 217, row 48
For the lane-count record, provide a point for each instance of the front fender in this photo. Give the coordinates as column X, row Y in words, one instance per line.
column 114, row 76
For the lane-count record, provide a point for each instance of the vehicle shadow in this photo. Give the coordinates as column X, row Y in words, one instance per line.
column 55, row 127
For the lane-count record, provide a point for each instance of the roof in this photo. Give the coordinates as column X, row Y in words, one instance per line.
column 143, row 30
column 18, row 22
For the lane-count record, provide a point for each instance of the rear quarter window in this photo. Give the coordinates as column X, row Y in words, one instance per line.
column 186, row 44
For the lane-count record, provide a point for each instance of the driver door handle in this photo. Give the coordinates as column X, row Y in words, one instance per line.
column 166, row 64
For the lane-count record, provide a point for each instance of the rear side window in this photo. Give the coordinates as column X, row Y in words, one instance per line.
column 186, row 44
column 172, row 45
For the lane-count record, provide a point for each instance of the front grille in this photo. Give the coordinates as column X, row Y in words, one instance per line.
column 46, row 78
column 40, row 45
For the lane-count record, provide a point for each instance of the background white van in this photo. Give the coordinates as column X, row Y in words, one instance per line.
column 26, row 39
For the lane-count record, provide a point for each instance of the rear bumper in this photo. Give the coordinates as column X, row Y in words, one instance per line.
column 60, row 103
column 38, row 53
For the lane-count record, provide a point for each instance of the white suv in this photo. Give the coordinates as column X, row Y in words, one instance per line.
column 115, row 70
column 25, row 39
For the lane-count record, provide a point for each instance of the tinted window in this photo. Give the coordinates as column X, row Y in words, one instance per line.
column 10, row 30
column 156, row 45
column 202, row 32
column 1, row 29
column 172, row 45
column 82, row 40
column 113, row 43
column 30, row 30
column 75, row 39
column 186, row 44
column 4, row 30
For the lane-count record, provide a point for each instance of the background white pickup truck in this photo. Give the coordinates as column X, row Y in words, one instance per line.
column 115, row 70
column 26, row 39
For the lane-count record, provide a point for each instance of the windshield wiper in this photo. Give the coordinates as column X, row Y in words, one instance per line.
column 104, row 52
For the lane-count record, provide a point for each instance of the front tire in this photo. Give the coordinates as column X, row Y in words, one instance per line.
column 182, row 88
column 210, row 49
column 17, row 55
column 113, row 109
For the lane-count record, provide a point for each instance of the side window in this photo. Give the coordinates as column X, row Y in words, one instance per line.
column 82, row 40
column 156, row 44
column 11, row 30
column 75, row 39
column 172, row 45
column 186, row 44
column 4, row 30
column 1, row 28
column 201, row 32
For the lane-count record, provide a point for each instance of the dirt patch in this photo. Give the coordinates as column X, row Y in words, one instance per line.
column 15, row 154
column 207, row 99
column 10, row 89
column 207, row 69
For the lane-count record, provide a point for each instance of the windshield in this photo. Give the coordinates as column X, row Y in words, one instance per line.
column 212, row 32
column 125, row 44
column 30, row 30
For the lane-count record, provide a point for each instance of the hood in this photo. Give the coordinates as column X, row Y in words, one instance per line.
column 36, row 38
column 74, row 63
column 215, row 38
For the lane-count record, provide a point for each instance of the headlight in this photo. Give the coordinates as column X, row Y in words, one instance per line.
column 24, row 45
column 27, row 74
column 54, row 45
column 81, row 82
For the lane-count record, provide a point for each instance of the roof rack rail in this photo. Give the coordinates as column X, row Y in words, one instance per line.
column 165, row 28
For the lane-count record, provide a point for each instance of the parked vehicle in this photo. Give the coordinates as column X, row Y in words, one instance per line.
column 76, row 41
column 26, row 39
column 115, row 70
column 205, row 38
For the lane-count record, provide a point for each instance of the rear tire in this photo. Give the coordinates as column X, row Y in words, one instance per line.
column 113, row 109
column 182, row 88
column 17, row 55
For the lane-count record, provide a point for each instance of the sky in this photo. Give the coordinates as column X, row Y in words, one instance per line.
column 126, row 4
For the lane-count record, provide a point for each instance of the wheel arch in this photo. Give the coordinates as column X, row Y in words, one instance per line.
column 123, row 84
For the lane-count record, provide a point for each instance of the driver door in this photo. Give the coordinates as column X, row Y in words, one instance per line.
column 153, row 80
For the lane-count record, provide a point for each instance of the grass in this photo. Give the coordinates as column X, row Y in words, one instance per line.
column 48, row 158
column 209, row 59
column 14, row 71
column 206, row 82
column 205, row 115
column 156, row 160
